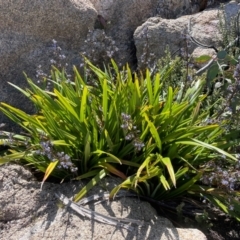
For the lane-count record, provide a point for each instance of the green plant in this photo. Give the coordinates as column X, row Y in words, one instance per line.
column 222, row 72
column 157, row 140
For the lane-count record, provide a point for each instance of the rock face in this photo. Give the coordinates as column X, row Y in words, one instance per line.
column 123, row 17
column 157, row 33
column 152, row 37
column 68, row 20
column 27, row 29
column 175, row 8
column 98, row 28
column 27, row 213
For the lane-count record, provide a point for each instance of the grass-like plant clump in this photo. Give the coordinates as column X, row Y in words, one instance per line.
column 169, row 132
column 157, row 138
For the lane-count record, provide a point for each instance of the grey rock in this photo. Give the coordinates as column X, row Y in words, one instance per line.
column 28, row 213
column 27, row 29
column 122, row 18
column 174, row 8
column 153, row 36
column 231, row 9
column 68, row 20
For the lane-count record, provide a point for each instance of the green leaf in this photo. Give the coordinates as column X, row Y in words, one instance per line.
column 109, row 141
column 154, row 133
column 101, row 75
column 27, row 94
column 87, row 175
column 221, row 54
column 20, row 114
column 198, row 143
column 164, row 182
column 212, row 73
column 11, row 157
column 144, row 165
column 105, row 100
column 195, row 113
column 128, row 183
column 184, row 187
column 113, row 158
column 167, row 162
column 220, row 204
column 157, row 88
column 83, row 105
column 202, row 59
column 87, row 150
column 60, row 143
column 149, row 87
column 90, row 185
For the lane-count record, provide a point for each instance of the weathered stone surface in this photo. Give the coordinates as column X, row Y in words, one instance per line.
column 27, row 213
column 231, row 9
column 68, row 20
column 152, row 37
column 27, row 29
column 174, row 8
column 122, row 18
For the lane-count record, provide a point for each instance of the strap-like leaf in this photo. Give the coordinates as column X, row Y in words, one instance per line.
column 49, row 170
column 195, row 142
column 101, row 174
column 167, row 162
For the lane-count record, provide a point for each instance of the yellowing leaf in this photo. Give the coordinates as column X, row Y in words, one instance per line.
column 49, row 170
